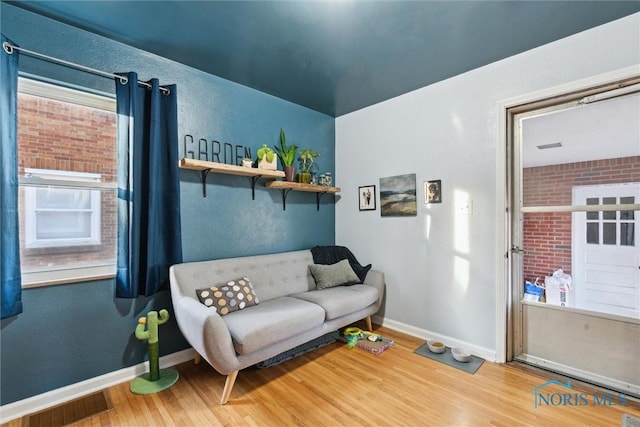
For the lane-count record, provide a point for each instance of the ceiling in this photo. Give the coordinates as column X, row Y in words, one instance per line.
column 334, row 56
column 605, row 129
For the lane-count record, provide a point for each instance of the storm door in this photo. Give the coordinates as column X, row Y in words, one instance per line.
column 575, row 255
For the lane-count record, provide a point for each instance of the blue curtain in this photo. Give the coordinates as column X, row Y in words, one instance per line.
column 9, row 238
column 149, row 236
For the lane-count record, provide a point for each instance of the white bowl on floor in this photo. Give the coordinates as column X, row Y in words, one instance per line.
column 436, row 346
column 460, row 355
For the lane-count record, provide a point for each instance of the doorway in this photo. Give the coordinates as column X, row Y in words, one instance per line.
column 606, row 250
column 574, row 169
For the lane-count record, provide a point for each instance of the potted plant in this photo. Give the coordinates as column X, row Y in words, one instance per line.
column 306, row 161
column 286, row 154
column 266, row 158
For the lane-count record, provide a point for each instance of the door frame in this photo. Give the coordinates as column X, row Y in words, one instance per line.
column 506, row 110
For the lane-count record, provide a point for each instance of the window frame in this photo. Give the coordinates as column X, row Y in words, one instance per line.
column 31, row 217
column 58, row 91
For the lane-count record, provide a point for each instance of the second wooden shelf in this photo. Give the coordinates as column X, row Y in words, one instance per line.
column 286, row 186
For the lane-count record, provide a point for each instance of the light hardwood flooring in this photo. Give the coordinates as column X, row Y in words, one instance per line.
column 337, row 386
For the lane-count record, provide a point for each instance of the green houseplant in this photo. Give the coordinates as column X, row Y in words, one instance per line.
column 266, row 158
column 286, row 154
column 306, row 161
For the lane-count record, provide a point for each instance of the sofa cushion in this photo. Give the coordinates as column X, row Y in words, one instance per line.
column 328, row 276
column 272, row 321
column 341, row 300
column 228, row 297
column 333, row 254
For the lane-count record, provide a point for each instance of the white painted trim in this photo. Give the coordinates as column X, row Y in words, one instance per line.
column 501, row 202
column 55, row 397
column 583, row 375
column 482, row 352
column 502, row 239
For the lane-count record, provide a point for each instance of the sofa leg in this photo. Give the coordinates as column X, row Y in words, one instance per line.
column 228, row 385
column 197, row 359
column 368, row 320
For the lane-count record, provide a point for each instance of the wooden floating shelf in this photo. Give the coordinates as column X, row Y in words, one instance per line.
column 204, row 167
column 312, row 188
column 286, row 186
column 201, row 165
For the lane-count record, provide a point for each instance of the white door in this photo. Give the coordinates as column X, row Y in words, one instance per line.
column 606, row 248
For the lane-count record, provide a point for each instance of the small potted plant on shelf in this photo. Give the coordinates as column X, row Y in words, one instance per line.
column 286, row 154
column 266, row 158
column 306, row 161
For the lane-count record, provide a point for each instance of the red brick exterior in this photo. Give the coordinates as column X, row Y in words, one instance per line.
column 67, row 137
column 547, row 236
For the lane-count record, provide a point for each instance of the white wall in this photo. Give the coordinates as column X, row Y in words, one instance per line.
column 440, row 266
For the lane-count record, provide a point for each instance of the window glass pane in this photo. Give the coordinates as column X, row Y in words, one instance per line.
column 63, row 225
column 63, row 198
column 547, row 238
column 593, row 215
column 627, row 235
column 593, row 233
column 627, row 201
column 609, row 233
column 74, row 142
column 611, row 215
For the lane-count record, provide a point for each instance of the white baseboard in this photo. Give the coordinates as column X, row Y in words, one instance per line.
column 55, row 397
column 483, row 352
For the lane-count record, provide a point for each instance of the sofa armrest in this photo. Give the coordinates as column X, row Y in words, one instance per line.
column 375, row 278
column 207, row 333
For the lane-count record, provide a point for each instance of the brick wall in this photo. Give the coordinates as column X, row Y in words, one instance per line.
column 547, row 236
column 68, row 137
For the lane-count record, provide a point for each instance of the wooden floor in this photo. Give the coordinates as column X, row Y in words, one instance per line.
column 337, row 386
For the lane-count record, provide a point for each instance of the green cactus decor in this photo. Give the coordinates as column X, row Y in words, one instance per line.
column 157, row 379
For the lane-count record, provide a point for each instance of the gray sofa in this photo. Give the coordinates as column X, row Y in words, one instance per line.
column 291, row 310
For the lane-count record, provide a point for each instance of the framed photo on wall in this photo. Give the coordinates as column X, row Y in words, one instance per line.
column 367, row 197
column 433, row 191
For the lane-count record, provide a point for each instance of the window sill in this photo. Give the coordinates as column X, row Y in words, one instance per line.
column 38, row 279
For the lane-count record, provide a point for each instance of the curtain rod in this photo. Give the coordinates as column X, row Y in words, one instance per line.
column 9, row 48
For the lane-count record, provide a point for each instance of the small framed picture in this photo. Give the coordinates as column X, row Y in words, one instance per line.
column 367, row 197
column 433, row 191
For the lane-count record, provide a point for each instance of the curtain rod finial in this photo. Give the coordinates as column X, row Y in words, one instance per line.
column 7, row 47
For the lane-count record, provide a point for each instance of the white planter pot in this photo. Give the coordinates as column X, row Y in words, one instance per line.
column 263, row 164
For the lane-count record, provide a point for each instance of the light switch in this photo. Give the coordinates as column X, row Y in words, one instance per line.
column 464, row 206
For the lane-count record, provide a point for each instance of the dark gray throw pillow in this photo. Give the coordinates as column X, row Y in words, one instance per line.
column 328, row 276
column 228, row 297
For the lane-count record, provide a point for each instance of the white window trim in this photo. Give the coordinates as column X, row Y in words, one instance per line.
column 36, row 279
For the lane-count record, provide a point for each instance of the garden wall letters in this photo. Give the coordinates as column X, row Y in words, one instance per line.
column 214, row 151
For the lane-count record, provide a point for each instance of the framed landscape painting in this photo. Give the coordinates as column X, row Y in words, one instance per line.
column 398, row 195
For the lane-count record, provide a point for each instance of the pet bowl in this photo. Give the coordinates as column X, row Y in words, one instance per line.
column 460, row 355
column 436, row 346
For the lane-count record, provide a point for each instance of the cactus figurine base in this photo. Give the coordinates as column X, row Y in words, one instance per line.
column 156, row 379
column 144, row 385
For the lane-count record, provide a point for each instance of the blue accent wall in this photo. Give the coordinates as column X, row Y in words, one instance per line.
column 70, row 333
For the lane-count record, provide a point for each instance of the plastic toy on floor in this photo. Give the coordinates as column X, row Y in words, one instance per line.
column 352, row 336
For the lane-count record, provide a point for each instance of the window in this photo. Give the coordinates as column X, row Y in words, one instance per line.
column 67, row 170
column 57, row 217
